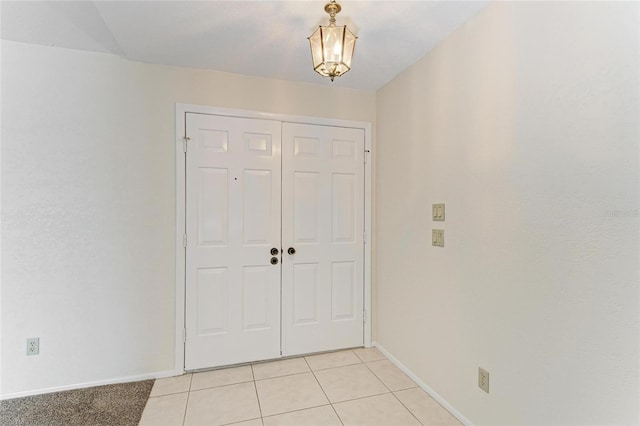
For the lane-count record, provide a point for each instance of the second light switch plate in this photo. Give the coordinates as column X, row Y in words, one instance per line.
column 437, row 237
column 438, row 212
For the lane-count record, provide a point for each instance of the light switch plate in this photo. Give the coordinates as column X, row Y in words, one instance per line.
column 437, row 237
column 438, row 212
column 483, row 379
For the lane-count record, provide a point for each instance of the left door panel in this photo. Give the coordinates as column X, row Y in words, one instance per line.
column 233, row 179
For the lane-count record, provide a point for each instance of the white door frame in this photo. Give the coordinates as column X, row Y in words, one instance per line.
column 181, row 110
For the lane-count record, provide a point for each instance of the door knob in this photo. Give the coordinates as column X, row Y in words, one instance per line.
column 291, row 250
column 274, row 260
column 274, row 251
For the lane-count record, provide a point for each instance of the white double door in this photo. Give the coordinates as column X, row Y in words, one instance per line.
column 257, row 187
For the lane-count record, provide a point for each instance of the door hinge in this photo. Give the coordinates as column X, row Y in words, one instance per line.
column 184, row 240
column 364, row 316
column 184, row 143
column 184, row 335
column 366, row 154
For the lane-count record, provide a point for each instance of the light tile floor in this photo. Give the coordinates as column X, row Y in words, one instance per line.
column 352, row 387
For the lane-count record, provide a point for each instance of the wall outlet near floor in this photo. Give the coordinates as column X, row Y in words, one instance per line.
column 483, row 379
column 33, row 346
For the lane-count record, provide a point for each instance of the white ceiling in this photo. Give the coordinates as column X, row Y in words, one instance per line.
column 258, row 38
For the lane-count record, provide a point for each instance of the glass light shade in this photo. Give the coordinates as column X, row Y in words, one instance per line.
column 332, row 50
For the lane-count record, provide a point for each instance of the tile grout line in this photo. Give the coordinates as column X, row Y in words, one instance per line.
column 362, row 397
column 376, row 376
column 220, row 386
column 391, row 392
column 325, row 394
column 186, row 406
column 380, row 378
column 407, row 408
column 297, row 410
column 255, row 388
column 351, row 365
column 284, row 375
column 164, row 394
column 337, row 366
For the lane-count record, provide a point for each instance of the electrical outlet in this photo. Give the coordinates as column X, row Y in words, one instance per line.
column 33, row 346
column 483, row 379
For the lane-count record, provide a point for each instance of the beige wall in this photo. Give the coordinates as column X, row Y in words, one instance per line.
column 88, row 205
column 525, row 123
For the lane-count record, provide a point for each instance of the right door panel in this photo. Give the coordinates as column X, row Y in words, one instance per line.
column 323, row 221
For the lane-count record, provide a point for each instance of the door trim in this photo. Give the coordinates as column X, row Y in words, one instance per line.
column 180, row 253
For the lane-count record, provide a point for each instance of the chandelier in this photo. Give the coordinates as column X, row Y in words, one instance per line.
column 332, row 46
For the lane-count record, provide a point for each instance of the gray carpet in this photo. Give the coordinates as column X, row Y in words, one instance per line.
column 111, row 405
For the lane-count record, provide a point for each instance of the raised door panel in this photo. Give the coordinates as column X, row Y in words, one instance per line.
column 213, row 206
column 212, row 287
column 305, row 293
column 306, row 188
column 343, row 291
column 257, row 207
column 343, row 208
column 258, row 302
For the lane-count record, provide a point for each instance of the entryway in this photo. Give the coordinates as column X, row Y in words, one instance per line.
column 352, row 387
column 275, row 251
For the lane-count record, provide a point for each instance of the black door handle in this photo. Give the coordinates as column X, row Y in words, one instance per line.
column 274, row 251
column 274, row 260
column 291, row 250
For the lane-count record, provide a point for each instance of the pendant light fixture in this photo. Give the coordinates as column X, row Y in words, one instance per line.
column 332, row 46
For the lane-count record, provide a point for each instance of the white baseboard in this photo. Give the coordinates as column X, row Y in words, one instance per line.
column 424, row 386
column 156, row 375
